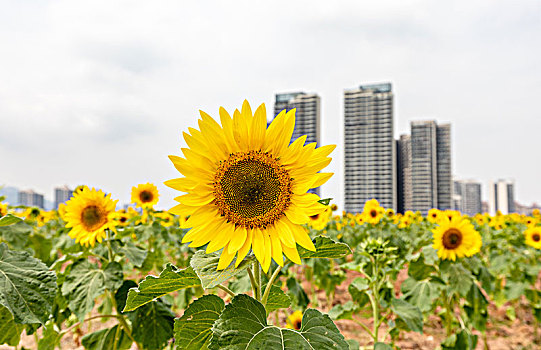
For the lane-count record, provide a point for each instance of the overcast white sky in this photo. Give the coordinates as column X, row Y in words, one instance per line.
column 99, row 92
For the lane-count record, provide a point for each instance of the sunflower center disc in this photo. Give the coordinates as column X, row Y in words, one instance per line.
column 92, row 217
column 536, row 237
column 146, row 196
column 452, row 238
column 373, row 213
column 252, row 189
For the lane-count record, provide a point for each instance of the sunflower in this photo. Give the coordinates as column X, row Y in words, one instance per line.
column 373, row 212
column 533, row 237
column 334, row 207
column 121, row 217
column 456, row 238
column 319, row 221
column 246, row 186
column 390, row 213
column 3, row 209
column 62, row 211
column 144, row 195
column 294, row 321
column 166, row 219
column 530, row 221
column 434, row 215
column 89, row 213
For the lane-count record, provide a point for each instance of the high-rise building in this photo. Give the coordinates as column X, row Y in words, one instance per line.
column 370, row 149
column 61, row 195
column 30, row 198
column 307, row 114
column 443, row 159
column 403, row 162
column 468, row 195
column 501, row 197
column 431, row 179
column 11, row 194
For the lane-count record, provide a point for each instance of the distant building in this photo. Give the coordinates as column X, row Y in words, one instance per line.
column 469, row 194
column 307, row 116
column 431, row 179
column 370, row 149
column 30, row 198
column 11, row 195
column 501, row 197
column 403, row 162
column 526, row 209
column 61, row 195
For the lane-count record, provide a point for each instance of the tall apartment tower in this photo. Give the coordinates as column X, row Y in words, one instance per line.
column 403, row 162
column 30, row 198
column 431, row 177
column 307, row 116
column 61, row 195
column 501, row 197
column 370, row 149
column 468, row 197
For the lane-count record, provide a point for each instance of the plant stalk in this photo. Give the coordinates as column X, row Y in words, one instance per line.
column 269, row 285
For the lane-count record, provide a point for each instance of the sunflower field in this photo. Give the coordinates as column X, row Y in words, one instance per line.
column 250, row 258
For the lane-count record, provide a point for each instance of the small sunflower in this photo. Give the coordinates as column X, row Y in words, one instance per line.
column 319, row 221
column 373, row 212
column 434, row 215
column 294, row 321
column 122, row 218
column 89, row 213
column 533, row 237
column 334, row 207
column 166, row 219
column 456, row 238
column 145, row 195
column 390, row 213
column 246, row 186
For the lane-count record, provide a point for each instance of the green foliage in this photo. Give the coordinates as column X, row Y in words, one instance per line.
column 16, row 235
column 153, row 325
column 243, row 325
column 421, row 294
column 325, row 248
column 278, row 299
column 205, row 266
column 409, row 314
column 170, row 280
column 107, row 339
column 297, row 293
column 194, row 329
column 9, row 219
column 28, row 287
column 10, row 332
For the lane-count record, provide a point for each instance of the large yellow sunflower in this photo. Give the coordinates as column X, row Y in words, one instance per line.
column 456, row 238
column 533, row 237
column 89, row 213
column 145, row 195
column 246, row 186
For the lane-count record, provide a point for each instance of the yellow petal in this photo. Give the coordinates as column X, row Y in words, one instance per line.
column 258, row 244
column 237, row 240
column 243, row 251
column 292, row 254
column 225, row 258
column 302, row 238
column 259, row 126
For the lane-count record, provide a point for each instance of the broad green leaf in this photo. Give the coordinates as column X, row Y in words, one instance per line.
column 457, row 277
column 419, row 270
column 85, row 282
column 358, row 288
column 420, row 293
column 277, row 299
column 194, row 329
column 9, row 219
column 411, row 315
column 243, row 325
column 325, row 201
column 27, row 287
column 122, row 294
column 325, row 248
column 476, row 307
column 50, row 338
column 294, row 288
column 134, row 254
column 170, row 280
column 10, row 332
column 353, row 344
column 205, row 266
column 343, row 311
column 16, row 235
column 153, row 325
column 105, row 339
column 382, row 346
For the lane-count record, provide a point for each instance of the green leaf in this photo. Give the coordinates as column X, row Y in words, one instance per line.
column 9, row 219
column 325, row 248
column 420, row 293
column 343, row 311
column 353, row 344
column 194, row 329
column 122, row 294
column 419, row 270
column 85, row 282
column 153, row 325
column 358, row 288
column 170, row 280
column 461, row 341
column 16, row 235
column 28, row 287
column 50, row 338
column 277, row 299
column 411, row 315
column 476, row 307
column 105, row 339
column 10, row 332
column 134, row 254
column 205, row 266
column 325, row 201
column 457, row 277
column 294, row 288
column 243, row 325
column 382, row 346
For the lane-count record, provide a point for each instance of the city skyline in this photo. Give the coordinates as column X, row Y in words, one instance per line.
column 87, row 99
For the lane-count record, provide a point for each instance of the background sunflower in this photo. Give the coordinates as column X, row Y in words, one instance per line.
column 145, row 195
column 456, row 238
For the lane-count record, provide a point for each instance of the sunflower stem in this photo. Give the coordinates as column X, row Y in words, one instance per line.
column 109, row 248
column 269, row 285
column 252, row 281
column 257, row 270
column 227, row 290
